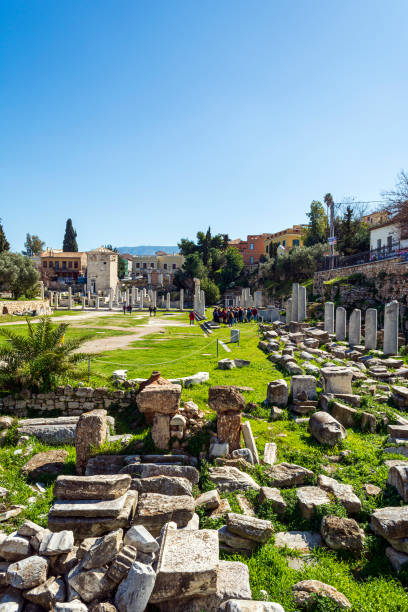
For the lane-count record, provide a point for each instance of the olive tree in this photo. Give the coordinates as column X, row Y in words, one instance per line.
column 18, row 274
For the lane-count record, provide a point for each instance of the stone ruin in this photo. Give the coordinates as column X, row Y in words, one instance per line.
column 123, row 533
column 159, row 400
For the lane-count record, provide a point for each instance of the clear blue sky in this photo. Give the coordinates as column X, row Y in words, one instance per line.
column 146, row 121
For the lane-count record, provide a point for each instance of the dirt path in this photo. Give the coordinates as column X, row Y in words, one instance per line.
column 69, row 318
column 154, row 325
column 112, row 343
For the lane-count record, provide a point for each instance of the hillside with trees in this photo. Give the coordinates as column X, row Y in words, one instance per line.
column 213, row 261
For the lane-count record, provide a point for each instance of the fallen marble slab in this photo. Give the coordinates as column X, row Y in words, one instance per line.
column 147, row 470
column 88, row 508
column 193, row 572
column 303, row 541
column 232, row 582
column 228, row 478
column 165, row 485
column 249, row 527
column 85, row 527
column 155, row 510
column 101, row 487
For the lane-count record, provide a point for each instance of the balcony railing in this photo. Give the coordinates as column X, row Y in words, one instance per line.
column 388, row 251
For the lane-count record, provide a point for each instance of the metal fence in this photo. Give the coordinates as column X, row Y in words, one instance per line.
column 388, row 251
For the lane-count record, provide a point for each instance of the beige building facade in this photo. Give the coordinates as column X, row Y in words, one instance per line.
column 163, row 262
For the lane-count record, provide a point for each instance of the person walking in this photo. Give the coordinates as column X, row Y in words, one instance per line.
column 130, row 308
column 249, row 315
column 191, row 316
column 154, row 310
column 150, row 311
column 124, row 307
column 255, row 313
column 241, row 315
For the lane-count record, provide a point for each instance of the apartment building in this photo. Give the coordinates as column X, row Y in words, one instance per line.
column 62, row 267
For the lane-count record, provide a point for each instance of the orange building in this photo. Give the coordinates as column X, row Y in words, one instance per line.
column 252, row 248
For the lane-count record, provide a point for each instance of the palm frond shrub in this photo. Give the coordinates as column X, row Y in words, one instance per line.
column 36, row 361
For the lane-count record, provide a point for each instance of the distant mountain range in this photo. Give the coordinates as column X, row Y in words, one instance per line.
column 147, row 249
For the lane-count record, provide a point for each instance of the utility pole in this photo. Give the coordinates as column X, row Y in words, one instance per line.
column 328, row 198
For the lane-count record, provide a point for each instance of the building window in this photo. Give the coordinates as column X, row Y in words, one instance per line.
column 296, row 243
column 174, row 266
column 379, row 243
column 50, row 264
column 283, row 242
column 138, row 265
column 152, row 265
column 70, row 264
column 251, row 246
column 165, row 266
column 75, row 264
column 64, row 265
column 144, row 265
column 251, row 260
column 389, row 241
column 57, row 265
column 45, row 264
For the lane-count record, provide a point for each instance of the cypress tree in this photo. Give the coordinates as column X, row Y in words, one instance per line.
column 70, row 243
column 4, row 244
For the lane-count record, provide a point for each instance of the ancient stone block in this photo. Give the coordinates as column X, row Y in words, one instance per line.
column 303, row 541
column 84, row 527
column 289, row 475
column 154, row 510
column 135, row 590
column 249, row 527
column 277, row 393
column 159, row 399
column 27, row 573
column 304, row 593
column 342, row 533
column 92, row 487
column 249, row 440
column 224, row 398
column 389, row 522
column 337, row 379
column 48, row 462
column 309, row 499
column 193, row 572
column 229, row 429
column 90, row 432
column 165, row 485
column 147, row 470
column 325, row 429
column 273, row 495
column 228, row 478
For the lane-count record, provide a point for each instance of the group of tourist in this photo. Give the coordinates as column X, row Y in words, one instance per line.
column 231, row 316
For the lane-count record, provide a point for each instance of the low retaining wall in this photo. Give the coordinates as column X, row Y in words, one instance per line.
column 19, row 307
column 66, row 401
column 390, row 280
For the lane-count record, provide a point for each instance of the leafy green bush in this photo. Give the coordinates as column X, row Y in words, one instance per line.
column 37, row 360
